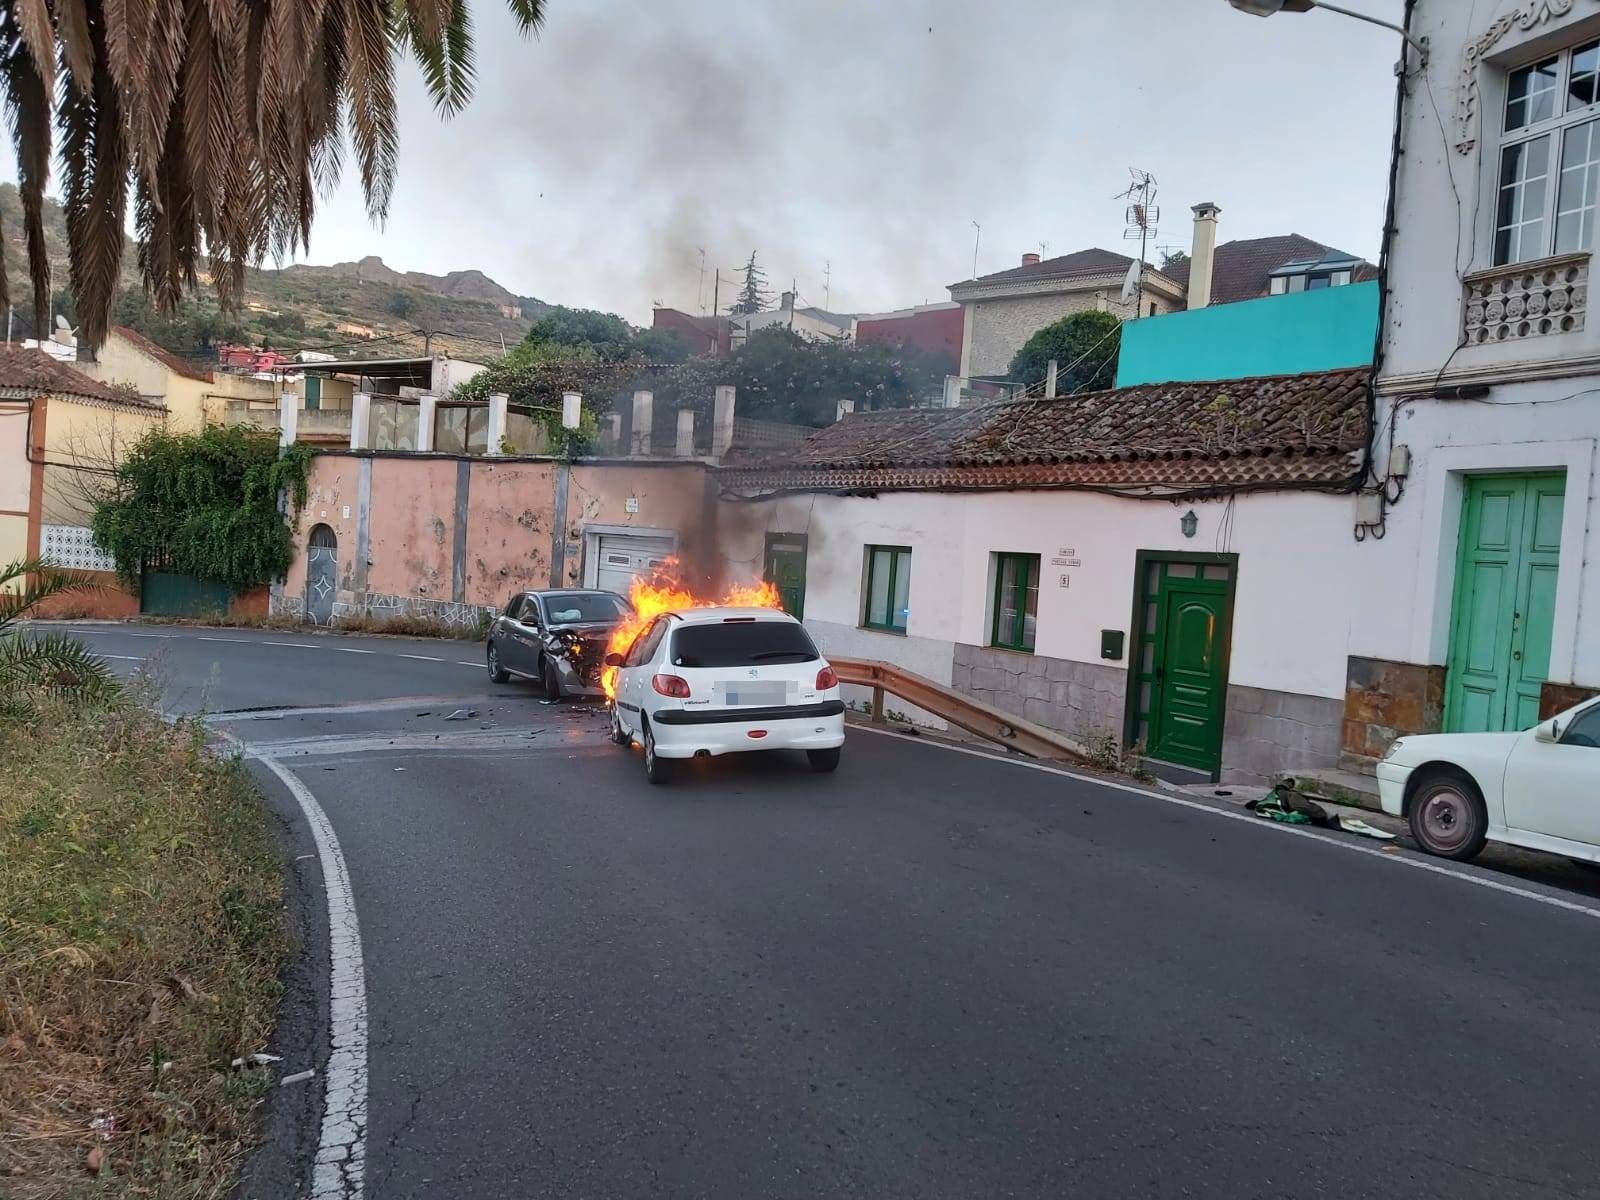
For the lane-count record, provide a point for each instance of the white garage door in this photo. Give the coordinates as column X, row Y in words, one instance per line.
column 623, row 556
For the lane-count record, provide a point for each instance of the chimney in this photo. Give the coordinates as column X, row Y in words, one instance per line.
column 786, row 301
column 1203, row 254
column 1030, row 259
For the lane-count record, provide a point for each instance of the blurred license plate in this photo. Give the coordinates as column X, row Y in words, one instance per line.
column 738, row 692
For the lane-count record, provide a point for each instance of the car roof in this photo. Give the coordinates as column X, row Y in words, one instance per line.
column 712, row 616
column 569, row 592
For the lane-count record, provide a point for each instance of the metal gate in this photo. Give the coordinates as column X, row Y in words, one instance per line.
column 623, row 557
column 322, row 574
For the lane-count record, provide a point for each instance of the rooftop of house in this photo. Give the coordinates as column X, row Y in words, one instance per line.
column 1243, row 269
column 1272, row 431
column 28, row 373
column 1077, row 265
column 161, row 354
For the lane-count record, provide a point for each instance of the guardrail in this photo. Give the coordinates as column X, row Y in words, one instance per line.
column 961, row 711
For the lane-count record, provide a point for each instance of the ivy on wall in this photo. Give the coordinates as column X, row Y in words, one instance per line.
column 204, row 504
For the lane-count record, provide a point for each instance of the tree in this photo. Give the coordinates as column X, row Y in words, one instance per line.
column 536, row 376
column 401, row 304
column 606, row 334
column 48, row 663
column 1173, row 258
column 753, row 295
column 660, row 346
column 203, row 504
column 1085, row 347
column 225, row 119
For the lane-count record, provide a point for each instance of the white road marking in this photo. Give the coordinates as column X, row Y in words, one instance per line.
column 422, row 657
column 351, row 650
column 342, row 1147
column 123, row 657
column 119, row 633
column 218, row 639
column 292, row 645
column 461, row 662
column 1403, row 859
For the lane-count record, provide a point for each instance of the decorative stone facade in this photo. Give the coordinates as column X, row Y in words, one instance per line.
column 1083, row 700
column 1000, row 326
column 1385, row 700
column 1558, row 697
column 380, row 606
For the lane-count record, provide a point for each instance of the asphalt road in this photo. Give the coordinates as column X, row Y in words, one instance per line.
column 929, row 975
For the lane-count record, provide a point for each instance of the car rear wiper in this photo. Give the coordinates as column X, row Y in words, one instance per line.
column 799, row 655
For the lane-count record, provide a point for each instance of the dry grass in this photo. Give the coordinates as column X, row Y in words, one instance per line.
column 140, row 940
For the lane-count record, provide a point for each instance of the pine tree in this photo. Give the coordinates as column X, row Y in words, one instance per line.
column 753, row 296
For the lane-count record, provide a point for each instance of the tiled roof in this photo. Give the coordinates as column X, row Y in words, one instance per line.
column 162, row 355
column 1063, row 266
column 1274, row 430
column 34, row 371
column 1242, row 268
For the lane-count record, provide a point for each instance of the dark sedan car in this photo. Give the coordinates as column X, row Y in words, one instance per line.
column 556, row 637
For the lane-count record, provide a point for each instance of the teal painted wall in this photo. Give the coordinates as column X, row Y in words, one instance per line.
column 1275, row 335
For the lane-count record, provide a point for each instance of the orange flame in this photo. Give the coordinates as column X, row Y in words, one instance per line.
column 660, row 592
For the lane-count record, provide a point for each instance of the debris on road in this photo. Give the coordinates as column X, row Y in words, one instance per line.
column 462, row 714
column 257, row 1060
column 1356, row 825
column 1289, row 806
column 297, row 1077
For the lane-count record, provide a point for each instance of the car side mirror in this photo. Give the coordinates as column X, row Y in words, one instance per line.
column 613, row 659
column 1547, row 731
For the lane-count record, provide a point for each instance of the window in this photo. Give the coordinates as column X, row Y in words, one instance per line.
column 1583, row 729
column 888, row 588
column 1552, row 128
column 742, row 643
column 513, row 607
column 1016, row 601
column 577, row 608
column 644, row 646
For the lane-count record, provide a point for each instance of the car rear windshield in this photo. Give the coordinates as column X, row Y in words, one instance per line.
column 569, row 608
column 742, row 644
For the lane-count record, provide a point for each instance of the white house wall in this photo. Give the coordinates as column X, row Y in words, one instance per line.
column 1294, row 593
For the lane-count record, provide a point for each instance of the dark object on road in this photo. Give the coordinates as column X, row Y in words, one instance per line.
column 462, row 714
column 1284, row 804
column 557, row 638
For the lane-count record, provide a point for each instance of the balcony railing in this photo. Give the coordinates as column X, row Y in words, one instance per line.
column 1526, row 300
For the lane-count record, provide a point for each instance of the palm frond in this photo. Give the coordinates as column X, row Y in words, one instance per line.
column 39, row 581
column 446, row 57
column 53, row 664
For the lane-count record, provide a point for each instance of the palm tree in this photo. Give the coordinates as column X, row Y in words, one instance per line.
column 53, row 662
column 225, row 117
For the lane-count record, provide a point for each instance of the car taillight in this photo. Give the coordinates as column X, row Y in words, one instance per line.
column 827, row 678
column 671, row 685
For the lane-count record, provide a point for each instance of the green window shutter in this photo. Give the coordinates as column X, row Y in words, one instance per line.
column 887, row 602
column 1016, row 601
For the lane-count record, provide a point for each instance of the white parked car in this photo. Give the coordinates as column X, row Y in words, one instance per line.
column 708, row 681
column 1539, row 788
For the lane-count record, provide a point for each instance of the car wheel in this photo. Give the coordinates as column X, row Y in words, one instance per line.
column 1447, row 814
column 552, row 680
column 497, row 673
column 823, row 761
column 619, row 735
column 656, row 768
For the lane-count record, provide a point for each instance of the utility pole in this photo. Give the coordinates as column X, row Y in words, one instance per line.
column 11, row 311
column 716, row 294
column 976, row 237
column 700, row 290
column 827, row 286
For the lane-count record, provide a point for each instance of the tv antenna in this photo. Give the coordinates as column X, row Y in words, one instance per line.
column 1141, row 221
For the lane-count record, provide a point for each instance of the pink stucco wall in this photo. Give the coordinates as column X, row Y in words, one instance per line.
column 670, row 496
column 332, row 487
column 508, row 529
column 411, row 527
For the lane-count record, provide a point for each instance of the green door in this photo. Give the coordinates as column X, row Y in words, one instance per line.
column 1504, row 603
column 786, row 570
column 1190, row 672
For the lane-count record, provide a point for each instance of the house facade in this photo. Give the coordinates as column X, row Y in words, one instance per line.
column 1164, row 566
column 191, row 394
column 1480, row 547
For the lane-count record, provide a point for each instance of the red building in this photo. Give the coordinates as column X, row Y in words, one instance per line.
column 935, row 329
column 705, row 335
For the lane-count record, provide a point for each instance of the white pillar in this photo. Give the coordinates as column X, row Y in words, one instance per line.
column 685, row 447
column 361, row 421
column 497, row 421
column 1050, row 381
column 843, row 409
column 722, row 421
column 1202, row 254
column 643, row 404
column 571, row 409
column 427, row 406
column 288, row 417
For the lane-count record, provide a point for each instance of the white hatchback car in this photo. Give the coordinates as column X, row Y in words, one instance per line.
column 1539, row 788
column 707, row 681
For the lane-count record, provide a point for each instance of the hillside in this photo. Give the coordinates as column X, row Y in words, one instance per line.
column 300, row 306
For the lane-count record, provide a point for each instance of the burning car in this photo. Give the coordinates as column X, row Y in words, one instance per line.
column 558, row 638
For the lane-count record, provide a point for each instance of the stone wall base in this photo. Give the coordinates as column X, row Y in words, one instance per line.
column 379, row 606
column 1558, row 697
column 1384, row 700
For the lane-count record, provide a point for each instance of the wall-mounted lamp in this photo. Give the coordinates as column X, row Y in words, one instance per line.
column 1189, row 523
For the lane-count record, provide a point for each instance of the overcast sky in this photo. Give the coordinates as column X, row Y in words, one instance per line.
column 597, row 160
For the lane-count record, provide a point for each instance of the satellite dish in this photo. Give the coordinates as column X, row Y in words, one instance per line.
column 1130, row 284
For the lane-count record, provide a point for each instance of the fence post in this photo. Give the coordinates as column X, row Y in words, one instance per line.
column 877, row 704
column 722, row 421
column 361, row 421
column 288, row 418
column 497, row 422
column 426, row 407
